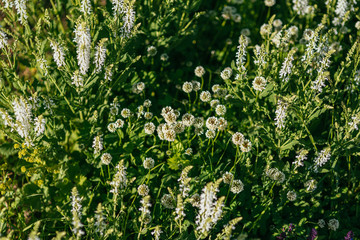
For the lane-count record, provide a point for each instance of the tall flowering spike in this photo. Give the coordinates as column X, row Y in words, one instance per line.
column 209, row 208
column 145, row 209
column 43, row 65
column 20, row 6
column 97, row 144
column 322, row 158
column 77, row 79
column 8, row 3
column 228, row 228
column 23, row 116
column 184, row 181
column 100, row 55
column 128, row 19
column 286, row 67
column 39, row 125
column 85, row 7
column 280, row 114
column 7, row 119
column 3, row 40
column 179, row 211
column 76, row 212
column 119, row 179
column 59, row 55
column 300, row 158
column 100, row 220
column 83, row 42
column 319, row 82
column 241, row 54
column 156, row 233
column 118, row 7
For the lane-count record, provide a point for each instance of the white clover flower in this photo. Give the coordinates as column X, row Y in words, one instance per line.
column 220, row 110
column 83, row 42
column 321, row 223
column 3, row 40
column 269, row 3
column 226, row 73
column 111, row 127
column 259, row 83
column 291, row 195
column 265, row 29
column 333, row 224
column 106, row 158
column 227, row 177
column 212, row 123
column 189, row 151
column 188, row 119
column 300, row 6
column 310, row 185
column 199, row 71
column 125, row 113
column 210, row 134
column 164, row 57
column 148, row 163
column 187, row 87
column 119, row 123
column 167, row 201
column 245, row 146
column 100, row 55
column 149, row 128
column 238, row 139
column 58, row 55
column 143, row 190
column 151, row 51
column 237, row 186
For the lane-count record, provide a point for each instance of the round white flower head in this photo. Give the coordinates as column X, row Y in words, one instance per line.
column 143, row 190
column 189, row 151
column 111, row 127
column 259, row 83
column 277, row 23
column 167, row 201
column 205, row 96
column 147, row 103
column 310, row 185
column 210, row 134
column 321, row 223
column 212, row 123
column 106, row 158
column 152, row 51
column 119, row 123
column 270, row 3
column 148, row 163
column 214, row 103
column 148, row 115
column 333, row 224
column 238, row 138
column 187, row 87
column 179, row 127
column 199, row 122
column 222, row 124
column 220, row 110
column 199, row 71
column 245, row 146
column 125, row 113
column 196, row 85
column 164, row 57
column 291, row 195
column 215, row 87
column 226, row 73
column 149, row 128
column 265, row 29
column 227, row 177
column 188, row 119
column 237, row 186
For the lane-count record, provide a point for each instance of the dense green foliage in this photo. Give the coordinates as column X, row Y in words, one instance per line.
column 190, row 119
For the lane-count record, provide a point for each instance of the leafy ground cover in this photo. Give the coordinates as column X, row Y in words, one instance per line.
column 179, row 119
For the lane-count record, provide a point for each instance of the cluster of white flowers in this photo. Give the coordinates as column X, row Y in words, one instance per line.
column 76, row 212
column 210, row 208
column 39, row 128
column 322, row 158
column 85, row 7
column 275, row 174
column 59, row 55
column 354, row 123
column 3, row 40
column 100, row 55
column 100, row 220
column 300, row 158
column 184, row 180
column 20, row 6
column 300, row 6
column 280, row 114
column 156, row 233
column 97, row 144
column 145, row 209
column 286, row 67
column 119, row 179
column 128, row 19
column 83, row 41
column 230, row 12
column 241, row 54
column 239, row 140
